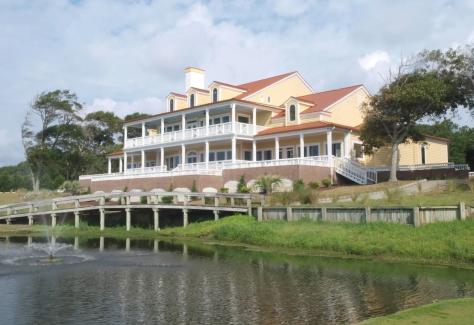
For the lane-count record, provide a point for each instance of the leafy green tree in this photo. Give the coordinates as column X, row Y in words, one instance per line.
column 434, row 83
column 48, row 116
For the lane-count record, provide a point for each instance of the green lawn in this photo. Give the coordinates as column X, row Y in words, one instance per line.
column 456, row 312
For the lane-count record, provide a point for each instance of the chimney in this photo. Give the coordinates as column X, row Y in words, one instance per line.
column 194, row 78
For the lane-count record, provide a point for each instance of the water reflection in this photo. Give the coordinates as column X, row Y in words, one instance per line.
column 172, row 283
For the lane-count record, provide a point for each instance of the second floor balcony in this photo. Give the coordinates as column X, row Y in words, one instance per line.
column 197, row 123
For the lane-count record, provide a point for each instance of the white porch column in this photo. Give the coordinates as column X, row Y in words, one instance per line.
column 183, row 124
column 120, row 165
column 162, row 158
column 277, row 148
column 206, row 154
column 143, row 160
column 254, row 120
column 125, row 162
column 125, row 135
column 162, row 126
column 109, row 165
column 233, row 118
column 301, row 145
column 234, row 149
column 329, row 144
column 207, row 121
column 143, row 132
column 183, row 154
column 254, row 150
column 347, row 144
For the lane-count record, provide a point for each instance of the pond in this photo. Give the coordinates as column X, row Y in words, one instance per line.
column 106, row 280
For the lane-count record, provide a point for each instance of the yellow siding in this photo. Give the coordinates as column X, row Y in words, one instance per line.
column 348, row 111
column 202, row 98
column 227, row 93
column 281, row 91
column 179, row 103
column 410, row 154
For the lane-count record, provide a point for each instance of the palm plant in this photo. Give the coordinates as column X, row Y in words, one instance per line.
column 266, row 183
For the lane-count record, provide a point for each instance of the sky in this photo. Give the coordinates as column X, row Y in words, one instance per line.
column 127, row 55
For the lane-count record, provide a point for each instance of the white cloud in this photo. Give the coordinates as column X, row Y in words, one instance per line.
column 150, row 105
column 371, row 60
column 126, row 56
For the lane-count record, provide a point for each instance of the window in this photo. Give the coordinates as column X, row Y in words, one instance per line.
column 267, row 155
column 171, row 105
column 169, row 128
column 191, row 100
column 247, row 155
column 268, row 99
column 212, row 156
column 423, row 154
column 313, row 150
column 259, row 155
column 214, row 95
column 192, row 157
column 290, row 153
column 358, row 150
column 336, row 149
column 225, row 119
column 292, row 112
column 243, row 119
column 221, row 155
column 217, row 120
column 176, row 127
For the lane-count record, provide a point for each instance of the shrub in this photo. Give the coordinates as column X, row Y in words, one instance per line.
column 266, row 183
column 193, row 187
column 72, row 187
column 224, row 190
column 313, row 185
column 167, row 199
column 470, row 183
column 326, row 182
column 143, row 200
column 242, row 185
column 298, row 185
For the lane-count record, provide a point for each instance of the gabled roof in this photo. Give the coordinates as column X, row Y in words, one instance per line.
column 177, row 95
column 228, row 85
column 304, row 126
column 198, row 90
column 325, row 99
column 255, row 86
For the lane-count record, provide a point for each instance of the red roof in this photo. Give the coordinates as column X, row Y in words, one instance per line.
column 199, row 89
column 305, row 126
column 324, row 99
column 228, row 85
column 115, row 153
column 177, row 95
column 254, row 86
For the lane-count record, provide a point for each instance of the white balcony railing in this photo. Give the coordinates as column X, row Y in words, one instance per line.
column 242, row 129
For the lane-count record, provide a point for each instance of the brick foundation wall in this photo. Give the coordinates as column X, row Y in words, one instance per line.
column 306, row 173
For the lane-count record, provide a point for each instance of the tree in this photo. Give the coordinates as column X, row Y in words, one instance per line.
column 45, row 122
column 266, row 183
column 428, row 86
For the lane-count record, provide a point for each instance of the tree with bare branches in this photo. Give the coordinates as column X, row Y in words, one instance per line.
column 427, row 86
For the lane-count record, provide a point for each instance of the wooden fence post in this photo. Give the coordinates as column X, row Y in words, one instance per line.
column 416, row 216
column 462, row 211
column 260, row 213
column 367, row 215
column 289, row 213
column 324, row 214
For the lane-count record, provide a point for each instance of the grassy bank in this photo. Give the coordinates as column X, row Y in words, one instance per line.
column 457, row 311
column 440, row 243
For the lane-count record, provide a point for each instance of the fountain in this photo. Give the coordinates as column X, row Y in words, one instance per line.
column 48, row 253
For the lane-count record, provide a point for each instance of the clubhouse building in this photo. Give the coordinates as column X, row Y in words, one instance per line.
column 211, row 136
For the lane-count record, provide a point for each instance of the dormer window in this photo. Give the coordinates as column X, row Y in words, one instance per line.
column 171, row 105
column 214, row 95
column 191, row 100
column 292, row 113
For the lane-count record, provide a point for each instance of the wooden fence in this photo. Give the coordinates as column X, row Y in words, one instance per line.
column 402, row 215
